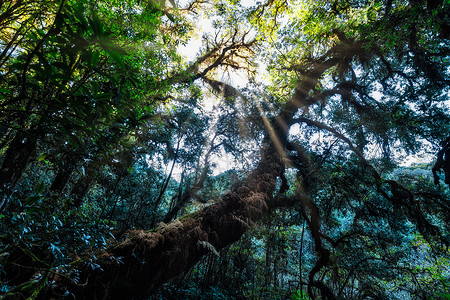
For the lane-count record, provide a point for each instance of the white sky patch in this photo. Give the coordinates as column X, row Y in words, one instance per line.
column 420, row 158
column 191, row 50
column 249, row 3
column 222, row 162
column 425, row 155
column 376, row 93
column 219, row 163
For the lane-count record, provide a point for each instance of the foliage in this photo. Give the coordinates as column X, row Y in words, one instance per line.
column 107, row 130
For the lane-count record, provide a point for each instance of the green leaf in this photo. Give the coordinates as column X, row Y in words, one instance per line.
column 104, row 96
column 79, row 14
column 115, row 53
column 55, row 248
column 40, row 188
column 31, row 200
column 97, row 26
column 95, row 58
column 42, row 157
column 170, row 16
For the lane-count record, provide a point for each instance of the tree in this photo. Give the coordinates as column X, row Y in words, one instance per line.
column 361, row 75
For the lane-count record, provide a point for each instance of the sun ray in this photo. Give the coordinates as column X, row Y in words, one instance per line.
column 272, row 132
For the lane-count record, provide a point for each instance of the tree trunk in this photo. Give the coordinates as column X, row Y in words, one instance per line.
column 19, row 152
column 80, row 189
column 61, row 179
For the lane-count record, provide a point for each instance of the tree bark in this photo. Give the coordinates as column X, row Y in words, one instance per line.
column 19, row 152
column 61, row 179
column 80, row 189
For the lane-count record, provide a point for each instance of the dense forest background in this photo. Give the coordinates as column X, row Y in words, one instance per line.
column 224, row 149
